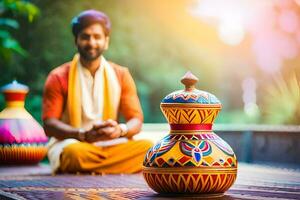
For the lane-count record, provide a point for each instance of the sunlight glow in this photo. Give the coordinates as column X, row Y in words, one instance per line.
column 273, row 27
column 231, row 32
column 230, row 17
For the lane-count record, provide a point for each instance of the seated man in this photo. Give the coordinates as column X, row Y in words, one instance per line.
column 81, row 103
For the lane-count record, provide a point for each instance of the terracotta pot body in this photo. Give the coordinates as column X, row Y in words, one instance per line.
column 192, row 158
column 22, row 139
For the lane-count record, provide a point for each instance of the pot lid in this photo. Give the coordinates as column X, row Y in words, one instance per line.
column 190, row 94
column 14, row 86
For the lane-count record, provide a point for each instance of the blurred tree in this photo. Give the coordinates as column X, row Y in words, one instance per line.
column 9, row 11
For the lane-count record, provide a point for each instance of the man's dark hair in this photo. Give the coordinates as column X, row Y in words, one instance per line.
column 90, row 17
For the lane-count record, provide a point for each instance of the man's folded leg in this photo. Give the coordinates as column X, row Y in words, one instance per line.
column 80, row 157
column 122, row 158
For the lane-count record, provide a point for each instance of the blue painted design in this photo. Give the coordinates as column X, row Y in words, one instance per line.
column 160, row 148
column 196, row 96
column 197, row 154
column 187, row 148
column 14, row 86
column 205, row 148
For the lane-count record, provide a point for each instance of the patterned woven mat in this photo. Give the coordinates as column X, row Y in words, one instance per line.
column 253, row 182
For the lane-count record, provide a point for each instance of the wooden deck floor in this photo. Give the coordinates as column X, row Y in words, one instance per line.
column 36, row 182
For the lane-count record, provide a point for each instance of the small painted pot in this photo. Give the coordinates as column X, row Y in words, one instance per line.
column 192, row 158
column 22, row 139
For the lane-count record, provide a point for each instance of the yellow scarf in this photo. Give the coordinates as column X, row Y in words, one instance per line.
column 111, row 93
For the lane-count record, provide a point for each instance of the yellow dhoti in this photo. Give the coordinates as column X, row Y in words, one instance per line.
column 84, row 157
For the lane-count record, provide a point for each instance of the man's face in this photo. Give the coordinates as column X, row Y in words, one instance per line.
column 92, row 42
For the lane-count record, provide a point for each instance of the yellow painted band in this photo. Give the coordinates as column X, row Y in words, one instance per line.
column 16, row 90
column 192, row 105
column 191, row 170
column 15, row 104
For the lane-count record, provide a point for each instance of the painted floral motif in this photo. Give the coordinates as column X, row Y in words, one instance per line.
column 195, row 149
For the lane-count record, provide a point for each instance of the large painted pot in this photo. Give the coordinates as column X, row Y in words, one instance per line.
column 192, row 158
column 22, row 139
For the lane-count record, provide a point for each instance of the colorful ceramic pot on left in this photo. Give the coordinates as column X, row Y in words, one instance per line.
column 22, row 139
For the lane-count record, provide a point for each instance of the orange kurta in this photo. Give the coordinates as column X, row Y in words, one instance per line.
column 85, row 157
column 56, row 93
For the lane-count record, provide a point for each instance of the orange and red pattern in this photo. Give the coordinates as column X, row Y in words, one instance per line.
column 190, row 182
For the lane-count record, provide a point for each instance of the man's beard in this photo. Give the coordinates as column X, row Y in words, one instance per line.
column 89, row 57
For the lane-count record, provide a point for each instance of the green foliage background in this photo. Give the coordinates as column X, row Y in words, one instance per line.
column 155, row 60
column 156, row 56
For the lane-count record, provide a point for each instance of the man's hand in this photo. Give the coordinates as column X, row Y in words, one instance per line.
column 109, row 129
column 92, row 136
column 106, row 130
